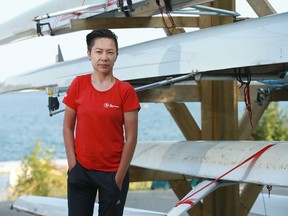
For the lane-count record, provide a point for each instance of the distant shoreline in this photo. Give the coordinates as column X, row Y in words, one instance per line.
column 9, row 173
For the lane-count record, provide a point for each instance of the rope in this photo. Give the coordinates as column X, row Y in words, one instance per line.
column 247, row 99
column 168, row 8
column 254, row 156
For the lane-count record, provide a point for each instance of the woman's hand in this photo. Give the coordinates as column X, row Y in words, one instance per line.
column 119, row 181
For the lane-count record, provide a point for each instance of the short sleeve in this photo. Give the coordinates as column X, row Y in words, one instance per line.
column 130, row 100
column 71, row 95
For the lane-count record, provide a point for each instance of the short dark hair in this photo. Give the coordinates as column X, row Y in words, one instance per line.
column 100, row 33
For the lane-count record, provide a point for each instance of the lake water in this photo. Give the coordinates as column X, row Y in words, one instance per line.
column 24, row 119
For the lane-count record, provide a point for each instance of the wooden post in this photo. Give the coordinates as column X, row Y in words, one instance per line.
column 191, row 131
column 219, row 106
column 261, row 7
column 251, row 191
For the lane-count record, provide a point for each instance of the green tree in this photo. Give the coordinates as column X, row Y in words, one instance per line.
column 273, row 125
column 38, row 176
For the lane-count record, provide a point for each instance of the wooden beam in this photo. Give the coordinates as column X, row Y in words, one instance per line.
column 209, row 21
column 206, row 109
column 191, row 131
column 219, row 110
column 130, row 22
column 261, row 7
column 180, row 188
column 138, row 174
column 250, row 192
column 184, row 120
column 172, row 93
column 223, row 205
column 245, row 127
column 279, row 95
column 150, row 8
column 220, row 120
column 180, row 30
column 190, row 93
column 249, row 195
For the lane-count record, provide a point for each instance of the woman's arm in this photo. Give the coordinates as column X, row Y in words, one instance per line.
column 68, row 135
column 131, row 130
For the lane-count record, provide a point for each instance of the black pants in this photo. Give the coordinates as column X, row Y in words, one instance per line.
column 83, row 186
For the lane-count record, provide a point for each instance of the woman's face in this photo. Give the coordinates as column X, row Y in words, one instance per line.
column 103, row 55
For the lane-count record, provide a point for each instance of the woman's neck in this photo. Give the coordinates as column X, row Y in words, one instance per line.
column 102, row 83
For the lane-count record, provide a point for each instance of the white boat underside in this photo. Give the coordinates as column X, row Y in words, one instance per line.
column 202, row 159
column 261, row 42
column 212, row 159
column 58, row 207
column 36, row 205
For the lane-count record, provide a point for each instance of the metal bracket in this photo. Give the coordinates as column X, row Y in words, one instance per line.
column 125, row 9
column 262, row 94
column 53, row 102
column 39, row 28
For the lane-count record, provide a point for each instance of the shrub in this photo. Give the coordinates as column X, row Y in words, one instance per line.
column 38, row 176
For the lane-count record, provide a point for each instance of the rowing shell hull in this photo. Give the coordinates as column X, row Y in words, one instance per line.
column 51, row 206
column 214, row 158
column 259, row 42
column 59, row 13
column 23, row 27
column 37, row 205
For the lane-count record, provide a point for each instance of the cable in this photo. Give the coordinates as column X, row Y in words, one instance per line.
column 168, row 7
column 247, row 100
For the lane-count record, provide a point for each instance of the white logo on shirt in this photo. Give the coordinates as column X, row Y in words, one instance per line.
column 108, row 105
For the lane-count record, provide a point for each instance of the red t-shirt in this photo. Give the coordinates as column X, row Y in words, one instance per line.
column 99, row 137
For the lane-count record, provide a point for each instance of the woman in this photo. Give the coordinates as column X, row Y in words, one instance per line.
column 103, row 112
